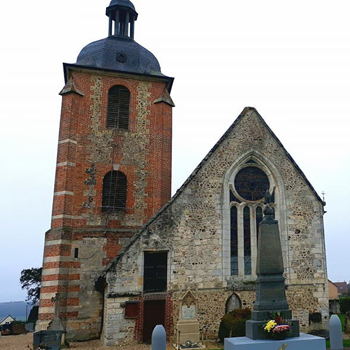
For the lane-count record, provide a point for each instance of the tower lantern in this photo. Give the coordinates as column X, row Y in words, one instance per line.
column 122, row 17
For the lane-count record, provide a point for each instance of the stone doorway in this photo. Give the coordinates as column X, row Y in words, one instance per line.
column 153, row 314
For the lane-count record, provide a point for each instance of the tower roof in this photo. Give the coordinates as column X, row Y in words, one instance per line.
column 120, row 54
column 119, row 51
column 121, row 4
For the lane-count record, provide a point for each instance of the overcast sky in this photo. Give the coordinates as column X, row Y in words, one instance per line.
column 290, row 60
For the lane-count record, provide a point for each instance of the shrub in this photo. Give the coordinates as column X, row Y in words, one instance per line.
column 344, row 304
column 323, row 333
column 233, row 323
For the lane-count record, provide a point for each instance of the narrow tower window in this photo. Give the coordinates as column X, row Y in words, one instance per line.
column 118, row 107
column 114, row 191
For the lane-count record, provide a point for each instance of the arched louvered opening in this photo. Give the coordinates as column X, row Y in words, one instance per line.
column 247, row 243
column 118, row 107
column 234, row 241
column 114, row 192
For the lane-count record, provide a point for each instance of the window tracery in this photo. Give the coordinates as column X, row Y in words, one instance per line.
column 247, row 190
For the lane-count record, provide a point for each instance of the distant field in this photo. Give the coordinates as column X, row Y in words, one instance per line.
column 17, row 309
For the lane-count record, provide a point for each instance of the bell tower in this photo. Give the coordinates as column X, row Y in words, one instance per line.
column 113, row 168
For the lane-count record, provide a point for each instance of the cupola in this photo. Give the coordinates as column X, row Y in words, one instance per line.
column 119, row 51
column 122, row 17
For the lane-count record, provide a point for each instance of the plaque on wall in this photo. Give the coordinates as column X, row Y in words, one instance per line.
column 187, row 327
column 188, row 312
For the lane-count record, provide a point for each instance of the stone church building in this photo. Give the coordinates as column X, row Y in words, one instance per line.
column 122, row 255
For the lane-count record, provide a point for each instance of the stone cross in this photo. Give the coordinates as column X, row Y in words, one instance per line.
column 56, row 299
column 56, row 323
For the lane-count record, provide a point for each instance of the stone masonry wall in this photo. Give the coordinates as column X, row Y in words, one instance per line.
column 193, row 227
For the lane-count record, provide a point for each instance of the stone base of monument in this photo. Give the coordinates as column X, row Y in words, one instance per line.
column 188, row 335
column 303, row 342
column 188, row 331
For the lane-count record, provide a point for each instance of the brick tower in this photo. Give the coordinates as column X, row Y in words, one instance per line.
column 113, row 169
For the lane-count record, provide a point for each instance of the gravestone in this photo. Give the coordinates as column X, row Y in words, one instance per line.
column 188, row 325
column 270, row 288
column 56, row 323
column 50, row 339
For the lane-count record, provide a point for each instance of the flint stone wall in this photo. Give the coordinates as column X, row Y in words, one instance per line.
column 194, row 227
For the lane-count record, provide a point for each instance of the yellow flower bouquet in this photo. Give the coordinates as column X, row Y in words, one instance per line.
column 276, row 328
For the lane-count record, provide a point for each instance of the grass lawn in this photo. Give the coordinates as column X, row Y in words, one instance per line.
column 346, row 343
column 342, row 320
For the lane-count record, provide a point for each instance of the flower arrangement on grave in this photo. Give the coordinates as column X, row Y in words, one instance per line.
column 276, row 327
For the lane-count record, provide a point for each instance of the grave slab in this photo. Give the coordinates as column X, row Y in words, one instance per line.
column 303, row 342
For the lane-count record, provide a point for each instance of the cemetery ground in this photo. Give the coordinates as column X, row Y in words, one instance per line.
column 25, row 341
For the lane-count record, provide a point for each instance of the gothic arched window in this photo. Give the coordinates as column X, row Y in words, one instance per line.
column 247, row 191
column 118, row 107
column 114, row 191
column 246, row 240
column 234, row 242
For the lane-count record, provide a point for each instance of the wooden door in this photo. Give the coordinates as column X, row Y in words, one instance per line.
column 153, row 314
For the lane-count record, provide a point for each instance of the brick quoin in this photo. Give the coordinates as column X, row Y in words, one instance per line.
column 46, row 316
column 64, row 264
column 60, row 289
column 64, row 277
column 57, row 249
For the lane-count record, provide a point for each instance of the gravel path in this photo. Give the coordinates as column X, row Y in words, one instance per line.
column 24, row 342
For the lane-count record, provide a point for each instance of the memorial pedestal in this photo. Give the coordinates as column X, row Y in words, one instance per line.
column 303, row 342
column 188, row 330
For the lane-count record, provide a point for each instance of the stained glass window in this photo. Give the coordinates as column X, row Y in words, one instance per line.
column 234, row 242
column 247, row 245
column 251, row 183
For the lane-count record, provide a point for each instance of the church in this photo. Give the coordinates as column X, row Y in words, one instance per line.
column 122, row 255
